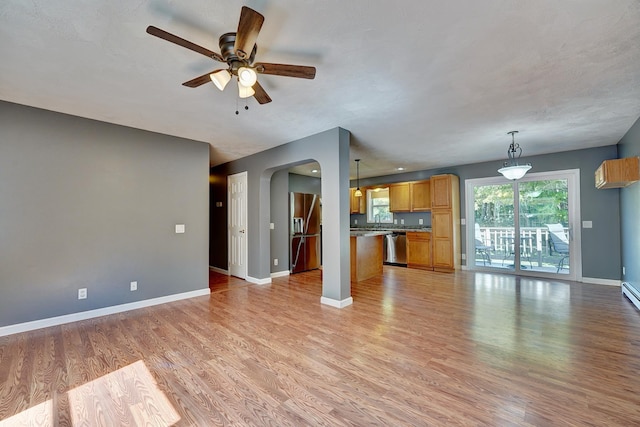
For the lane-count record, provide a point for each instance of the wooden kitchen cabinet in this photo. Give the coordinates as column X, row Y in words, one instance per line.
column 414, row 196
column 358, row 204
column 419, row 250
column 445, row 222
column 400, row 197
column 420, row 196
column 441, row 191
column 618, row 173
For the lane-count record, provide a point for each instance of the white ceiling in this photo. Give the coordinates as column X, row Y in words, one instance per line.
column 420, row 84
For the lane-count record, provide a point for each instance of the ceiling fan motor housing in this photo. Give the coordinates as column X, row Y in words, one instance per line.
column 227, row 49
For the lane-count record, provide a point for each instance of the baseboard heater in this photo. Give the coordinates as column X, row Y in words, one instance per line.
column 632, row 293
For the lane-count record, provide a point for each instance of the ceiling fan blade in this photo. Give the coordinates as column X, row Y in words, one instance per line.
column 300, row 71
column 154, row 31
column 248, row 29
column 199, row 81
column 260, row 95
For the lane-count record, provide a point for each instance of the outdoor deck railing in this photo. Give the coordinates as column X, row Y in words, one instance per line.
column 533, row 242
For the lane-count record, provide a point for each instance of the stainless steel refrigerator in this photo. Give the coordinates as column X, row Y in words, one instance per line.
column 305, row 234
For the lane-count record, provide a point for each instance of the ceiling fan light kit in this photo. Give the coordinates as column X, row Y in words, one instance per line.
column 511, row 169
column 220, row 78
column 238, row 51
column 247, row 76
column 245, row 91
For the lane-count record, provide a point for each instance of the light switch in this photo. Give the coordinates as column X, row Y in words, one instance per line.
column 272, row 226
column 587, row 224
column 180, row 228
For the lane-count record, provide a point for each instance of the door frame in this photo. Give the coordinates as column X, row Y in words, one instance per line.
column 575, row 237
column 242, row 178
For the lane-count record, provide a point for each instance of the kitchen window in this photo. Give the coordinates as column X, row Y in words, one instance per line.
column 378, row 206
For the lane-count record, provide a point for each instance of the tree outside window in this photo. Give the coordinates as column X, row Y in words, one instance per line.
column 378, row 206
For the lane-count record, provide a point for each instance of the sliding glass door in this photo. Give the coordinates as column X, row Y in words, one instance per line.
column 527, row 227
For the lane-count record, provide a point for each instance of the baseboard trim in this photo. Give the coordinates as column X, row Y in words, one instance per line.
column 258, row 281
column 280, row 273
column 219, row 270
column 335, row 303
column 99, row 312
column 596, row 281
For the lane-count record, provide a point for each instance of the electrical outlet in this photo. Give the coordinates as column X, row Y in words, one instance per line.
column 463, row 256
column 624, row 271
column 395, row 221
column 272, row 226
column 180, row 228
column 402, row 221
column 355, row 221
column 82, row 293
column 275, row 261
column 420, row 221
column 134, row 286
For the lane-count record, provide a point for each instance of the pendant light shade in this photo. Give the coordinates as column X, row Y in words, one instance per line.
column 220, row 78
column 358, row 192
column 247, row 76
column 511, row 169
column 245, row 91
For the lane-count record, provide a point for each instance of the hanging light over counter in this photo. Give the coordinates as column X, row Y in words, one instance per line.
column 358, row 192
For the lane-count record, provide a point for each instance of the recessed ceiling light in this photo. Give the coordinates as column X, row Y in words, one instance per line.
column 314, row 171
column 400, row 169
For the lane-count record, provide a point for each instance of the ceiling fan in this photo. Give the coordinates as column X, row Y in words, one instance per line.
column 238, row 51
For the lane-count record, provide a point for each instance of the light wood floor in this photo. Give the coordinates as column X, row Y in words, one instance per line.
column 415, row 348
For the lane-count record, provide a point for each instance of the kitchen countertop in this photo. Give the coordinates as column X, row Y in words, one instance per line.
column 368, row 233
column 387, row 230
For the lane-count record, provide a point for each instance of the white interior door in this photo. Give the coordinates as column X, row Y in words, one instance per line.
column 237, row 224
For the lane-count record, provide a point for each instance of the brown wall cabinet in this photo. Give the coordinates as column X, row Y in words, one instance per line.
column 414, row 196
column 400, row 197
column 445, row 222
column 420, row 196
column 419, row 250
column 618, row 173
column 358, row 204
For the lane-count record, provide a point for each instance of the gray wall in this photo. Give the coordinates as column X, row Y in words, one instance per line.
column 599, row 206
column 304, row 184
column 90, row 204
column 331, row 150
column 630, row 212
column 280, row 219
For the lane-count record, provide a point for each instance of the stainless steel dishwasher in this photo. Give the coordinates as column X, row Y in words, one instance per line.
column 395, row 248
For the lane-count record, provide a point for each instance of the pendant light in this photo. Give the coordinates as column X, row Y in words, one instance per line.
column 511, row 169
column 358, row 192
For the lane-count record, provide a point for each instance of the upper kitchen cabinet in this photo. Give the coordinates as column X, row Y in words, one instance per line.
column 358, row 204
column 441, row 191
column 617, row 173
column 400, row 197
column 420, row 196
column 412, row 196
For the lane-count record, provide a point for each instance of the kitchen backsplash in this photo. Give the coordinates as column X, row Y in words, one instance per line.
column 411, row 220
